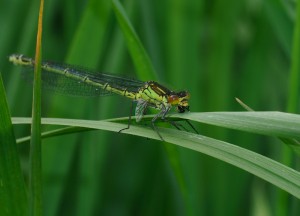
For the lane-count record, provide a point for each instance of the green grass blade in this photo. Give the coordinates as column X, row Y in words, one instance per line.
column 261, row 166
column 12, row 185
column 285, row 126
column 141, row 59
column 35, row 182
column 276, row 124
column 55, row 133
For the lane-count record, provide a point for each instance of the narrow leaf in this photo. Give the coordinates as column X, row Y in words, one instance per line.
column 261, row 166
column 12, row 185
column 35, row 183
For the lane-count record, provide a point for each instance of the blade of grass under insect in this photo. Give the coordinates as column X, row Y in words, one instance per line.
column 12, row 185
column 261, row 166
column 35, row 181
column 278, row 124
column 55, row 133
column 285, row 126
column 293, row 143
column 272, row 123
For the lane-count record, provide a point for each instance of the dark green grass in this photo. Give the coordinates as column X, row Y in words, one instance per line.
column 244, row 51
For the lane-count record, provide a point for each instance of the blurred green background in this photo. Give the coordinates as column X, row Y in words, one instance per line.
column 218, row 50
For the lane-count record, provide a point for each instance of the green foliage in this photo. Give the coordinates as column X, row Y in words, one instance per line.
column 260, row 122
column 244, row 51
column 12, row 185
column 35, row 158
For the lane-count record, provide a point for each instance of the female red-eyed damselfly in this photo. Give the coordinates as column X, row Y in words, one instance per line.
column 73, row 80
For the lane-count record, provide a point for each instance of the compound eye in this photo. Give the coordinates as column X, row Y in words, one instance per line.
column 173, row 99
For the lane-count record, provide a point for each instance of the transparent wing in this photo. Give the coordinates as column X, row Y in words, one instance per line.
column 140, row 109
column 59, row 83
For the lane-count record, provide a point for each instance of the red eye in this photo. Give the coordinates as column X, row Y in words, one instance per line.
column 173, row 99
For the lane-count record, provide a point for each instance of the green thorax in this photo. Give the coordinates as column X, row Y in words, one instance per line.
column 155, row 94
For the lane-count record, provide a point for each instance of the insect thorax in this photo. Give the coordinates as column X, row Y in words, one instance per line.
column 154, row 94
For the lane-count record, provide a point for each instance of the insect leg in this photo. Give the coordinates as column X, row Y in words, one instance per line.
column 192, row 126
column 162, row 113
column 129, row 119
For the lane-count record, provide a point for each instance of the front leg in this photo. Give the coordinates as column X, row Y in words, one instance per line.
column 161, row 114
column 164, row 111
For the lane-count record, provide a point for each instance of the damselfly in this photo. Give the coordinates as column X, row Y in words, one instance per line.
column 65, row 78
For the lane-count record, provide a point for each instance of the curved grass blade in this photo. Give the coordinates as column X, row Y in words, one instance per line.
column 278, row 124
column 55, row 133
column 293, row 143
column 261, row 166
column 285, row 126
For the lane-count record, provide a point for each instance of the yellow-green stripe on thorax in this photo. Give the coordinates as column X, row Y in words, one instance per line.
column 155, row 94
